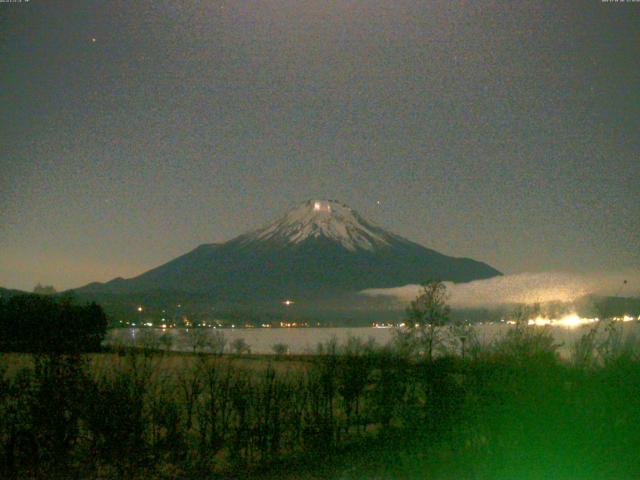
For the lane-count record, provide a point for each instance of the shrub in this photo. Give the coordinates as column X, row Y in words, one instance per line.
column 239, row 346
column 280, row 349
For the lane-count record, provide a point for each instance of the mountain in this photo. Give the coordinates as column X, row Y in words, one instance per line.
column 320, row 250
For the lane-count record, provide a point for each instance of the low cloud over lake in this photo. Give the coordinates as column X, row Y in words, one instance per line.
column 524, row 288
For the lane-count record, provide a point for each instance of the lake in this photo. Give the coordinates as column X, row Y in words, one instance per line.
column 305, row 340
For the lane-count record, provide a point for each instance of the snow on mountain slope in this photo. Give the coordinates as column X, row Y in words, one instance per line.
column 324, row 218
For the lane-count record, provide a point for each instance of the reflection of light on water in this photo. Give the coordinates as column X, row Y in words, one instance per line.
column 568, row 321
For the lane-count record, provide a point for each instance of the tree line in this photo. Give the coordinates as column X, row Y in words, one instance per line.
column 39, row 324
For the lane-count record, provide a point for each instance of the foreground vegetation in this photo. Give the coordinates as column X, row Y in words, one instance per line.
column 434, row 404
column 508, row 410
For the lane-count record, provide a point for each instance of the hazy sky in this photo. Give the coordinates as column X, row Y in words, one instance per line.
column 131, row 131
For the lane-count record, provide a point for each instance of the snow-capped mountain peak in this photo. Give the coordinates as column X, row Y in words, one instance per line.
column 316, row 253
column 325, row 218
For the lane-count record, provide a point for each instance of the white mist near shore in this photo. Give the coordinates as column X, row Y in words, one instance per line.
column 527, row 288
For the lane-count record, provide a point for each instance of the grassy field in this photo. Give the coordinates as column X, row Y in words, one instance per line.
column 513, row 410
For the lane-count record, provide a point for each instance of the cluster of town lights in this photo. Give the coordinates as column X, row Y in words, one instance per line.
column 571, row 320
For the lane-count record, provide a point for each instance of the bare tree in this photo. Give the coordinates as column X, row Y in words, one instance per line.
column 280, row 349
column 426, row 314
column 196, row 339
column 191, row 383
column 166, row 340
column 217, row 342
column 464, row 339
column 148, row 340
column 239, row 346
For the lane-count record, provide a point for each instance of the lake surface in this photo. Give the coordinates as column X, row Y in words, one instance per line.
column 305, row 340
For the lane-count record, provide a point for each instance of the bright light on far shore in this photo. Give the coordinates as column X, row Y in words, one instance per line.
column 572, row 320
column 568, row 321
column 288, row 302
column 140, row 309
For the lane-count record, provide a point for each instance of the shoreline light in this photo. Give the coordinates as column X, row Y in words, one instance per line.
column 571, row 320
